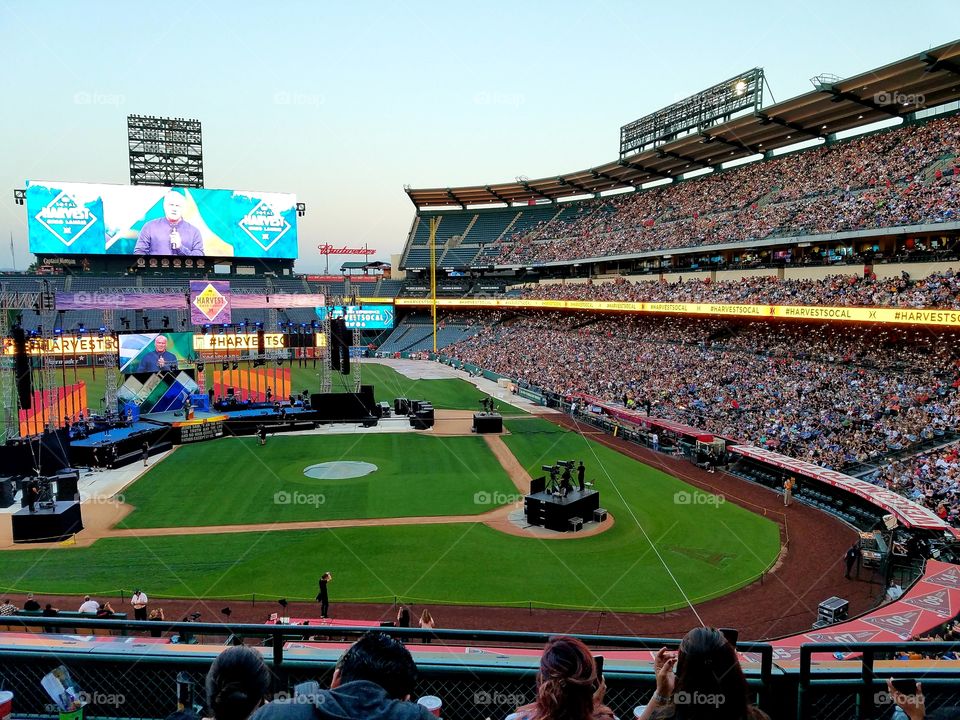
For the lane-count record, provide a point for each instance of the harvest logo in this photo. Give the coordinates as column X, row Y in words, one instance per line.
column 264, row 225
column 210, row 302
column 66, row 219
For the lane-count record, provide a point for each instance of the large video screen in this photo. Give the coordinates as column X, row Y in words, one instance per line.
column 155, row 352
column 94, row 219
column 368, row 317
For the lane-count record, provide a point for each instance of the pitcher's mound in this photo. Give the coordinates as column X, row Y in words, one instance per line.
column 339, row 470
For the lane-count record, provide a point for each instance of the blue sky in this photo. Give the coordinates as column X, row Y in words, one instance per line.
column 344, row 103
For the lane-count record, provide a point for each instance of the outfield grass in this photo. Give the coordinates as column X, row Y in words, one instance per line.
column 450, row 394
column 235, row 481
column 710, row 550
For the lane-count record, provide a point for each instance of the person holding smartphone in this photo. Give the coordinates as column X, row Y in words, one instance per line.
column 702, row 679
column 907, row 693
column 568, row 685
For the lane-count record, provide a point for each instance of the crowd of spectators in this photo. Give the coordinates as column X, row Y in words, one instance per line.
column 931, row 479
column 904, row 176
column 829, row 395
column 938, row 290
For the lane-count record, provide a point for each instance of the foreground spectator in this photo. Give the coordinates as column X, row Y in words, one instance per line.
column 375, row 678
column 708, row 682
column 7, row 608
column 31, row 605
column 237, row 684
column 568, row 686
column 89, row 606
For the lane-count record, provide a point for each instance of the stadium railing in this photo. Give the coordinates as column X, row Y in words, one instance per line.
column 131, row 680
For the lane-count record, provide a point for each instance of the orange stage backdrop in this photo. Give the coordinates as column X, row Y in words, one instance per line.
column 252, row 383
column 70, row 401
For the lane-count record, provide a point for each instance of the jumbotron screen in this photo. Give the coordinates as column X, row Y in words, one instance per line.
column 155, row 352
column 94, row 219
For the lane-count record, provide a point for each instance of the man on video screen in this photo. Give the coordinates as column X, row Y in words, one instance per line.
column 158, row 359
column 171, row 234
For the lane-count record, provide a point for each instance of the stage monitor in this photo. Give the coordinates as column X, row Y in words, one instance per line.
column 155, row 352
column 356, row 317
column 98, row 219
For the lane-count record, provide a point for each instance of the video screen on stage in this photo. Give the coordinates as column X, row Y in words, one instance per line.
column 367, row 317
column 99, row 219
column 156, row 352
column 157, row 393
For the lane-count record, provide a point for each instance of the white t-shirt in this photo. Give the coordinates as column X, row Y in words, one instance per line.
column 89, row 606
column 138, row 599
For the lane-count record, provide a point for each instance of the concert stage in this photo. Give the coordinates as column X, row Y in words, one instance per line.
column 47, row 525
column 554, row 513
column 118, row 446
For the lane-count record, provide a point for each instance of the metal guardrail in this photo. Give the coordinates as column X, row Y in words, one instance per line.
column 471, row 688
column 864, row 686
column 129, row 682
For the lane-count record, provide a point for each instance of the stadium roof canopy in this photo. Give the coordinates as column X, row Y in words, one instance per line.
column 926, row 80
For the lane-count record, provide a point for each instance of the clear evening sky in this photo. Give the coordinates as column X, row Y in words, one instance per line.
column 344, row 103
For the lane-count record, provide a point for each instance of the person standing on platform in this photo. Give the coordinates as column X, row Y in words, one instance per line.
column 146, row 453
column 654, row 442
column 269, row 394
column 139, row 601
column 581, row 471
column 33, row 494
column 322, row 597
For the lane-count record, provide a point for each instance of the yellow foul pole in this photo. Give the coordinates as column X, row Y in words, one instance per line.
column 434, row 223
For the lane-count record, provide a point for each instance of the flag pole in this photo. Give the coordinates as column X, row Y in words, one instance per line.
column 434, row 223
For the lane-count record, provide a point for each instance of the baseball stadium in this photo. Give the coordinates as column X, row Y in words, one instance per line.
column 675, row 435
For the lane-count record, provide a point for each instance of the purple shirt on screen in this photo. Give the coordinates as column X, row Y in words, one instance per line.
column 155, row 239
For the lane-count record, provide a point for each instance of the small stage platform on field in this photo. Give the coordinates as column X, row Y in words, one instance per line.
column 546, row 509
column 51, row 522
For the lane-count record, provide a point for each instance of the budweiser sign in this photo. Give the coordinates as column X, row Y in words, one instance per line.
column 327, row 249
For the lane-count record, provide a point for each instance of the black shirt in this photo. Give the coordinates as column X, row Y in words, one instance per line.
column 31, row 606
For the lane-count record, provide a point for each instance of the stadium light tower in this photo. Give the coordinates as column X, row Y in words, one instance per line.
column 165, row 151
